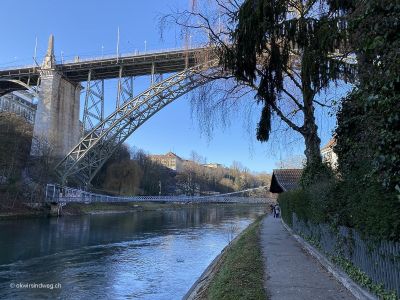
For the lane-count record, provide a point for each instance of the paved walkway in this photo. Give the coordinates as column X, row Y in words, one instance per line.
column 291, row 273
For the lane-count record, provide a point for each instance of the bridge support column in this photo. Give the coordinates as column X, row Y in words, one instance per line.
column 57, row 127
column 57, row 116
column 55, row 210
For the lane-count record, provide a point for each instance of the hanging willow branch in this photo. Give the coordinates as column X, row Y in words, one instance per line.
column 273, row 30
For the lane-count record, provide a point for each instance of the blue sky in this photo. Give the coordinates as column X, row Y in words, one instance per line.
column 88, row 28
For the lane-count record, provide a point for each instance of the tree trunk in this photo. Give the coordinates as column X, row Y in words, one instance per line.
column 310, row 128
column 313, row 143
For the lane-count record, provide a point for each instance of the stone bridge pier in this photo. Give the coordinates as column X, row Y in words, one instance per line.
column 57, row 127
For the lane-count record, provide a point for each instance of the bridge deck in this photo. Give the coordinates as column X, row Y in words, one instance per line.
column 107, row 68
column 134, row 65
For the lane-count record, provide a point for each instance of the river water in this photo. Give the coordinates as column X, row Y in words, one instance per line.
column 138, row 255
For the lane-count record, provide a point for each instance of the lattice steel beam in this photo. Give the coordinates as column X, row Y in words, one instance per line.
column 96, row 147
column 93, row 112
column 155, row 77
column 124, row 89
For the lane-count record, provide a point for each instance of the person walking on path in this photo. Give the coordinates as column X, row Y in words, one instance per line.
column 277, row 211
column 290, row 273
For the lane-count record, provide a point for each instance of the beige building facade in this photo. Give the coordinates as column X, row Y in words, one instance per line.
column 213, row 165
column 328, row 155
column 169, row 160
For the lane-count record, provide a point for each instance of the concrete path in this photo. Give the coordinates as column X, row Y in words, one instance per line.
column 291, row 273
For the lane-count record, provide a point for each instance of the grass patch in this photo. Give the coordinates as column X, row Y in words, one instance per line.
column 241, row 273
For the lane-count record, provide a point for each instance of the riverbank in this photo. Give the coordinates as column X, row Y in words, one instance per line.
column 21, row 212
column 237, row 273
column 74, row 209
column 118, row 207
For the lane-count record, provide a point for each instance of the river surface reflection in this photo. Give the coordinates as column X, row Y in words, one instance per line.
column 138, row 255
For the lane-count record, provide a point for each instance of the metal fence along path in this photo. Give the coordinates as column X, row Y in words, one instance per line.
column 379, row 260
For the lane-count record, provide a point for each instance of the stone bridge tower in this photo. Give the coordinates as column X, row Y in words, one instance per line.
column 56, row 126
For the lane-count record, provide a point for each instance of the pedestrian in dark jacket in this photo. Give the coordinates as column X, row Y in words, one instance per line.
column 277, row 211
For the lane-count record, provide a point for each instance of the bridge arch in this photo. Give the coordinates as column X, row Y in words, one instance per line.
column 86, row 158
column 16, row 85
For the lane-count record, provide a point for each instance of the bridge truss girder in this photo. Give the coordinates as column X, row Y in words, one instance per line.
column 93, row 112
column 124, row 88
column 85, row 160
column 155, row 77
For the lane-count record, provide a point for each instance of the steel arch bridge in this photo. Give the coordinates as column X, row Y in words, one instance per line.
column 57, row 85
column 86, row 158
column 193, row 67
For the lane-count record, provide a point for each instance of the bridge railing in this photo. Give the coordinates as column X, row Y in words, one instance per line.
column 78, row 59
column 70, row 59
column 13, row 67
column 59, row 194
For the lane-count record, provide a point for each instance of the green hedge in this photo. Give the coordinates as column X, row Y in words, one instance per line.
column 362, row 205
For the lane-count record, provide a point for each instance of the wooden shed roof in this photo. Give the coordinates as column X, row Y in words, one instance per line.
column 285, row 180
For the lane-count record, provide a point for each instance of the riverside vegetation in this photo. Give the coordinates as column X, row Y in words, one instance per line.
column 290, row 52
column 240, row 275
column 127, row 172
column 364, row 191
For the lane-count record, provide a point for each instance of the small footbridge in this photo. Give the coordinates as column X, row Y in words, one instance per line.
column 56, row 194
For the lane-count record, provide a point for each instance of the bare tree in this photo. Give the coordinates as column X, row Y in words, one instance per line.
column 15, row 143
column 124, row 177
column 292, row 162
column 274, row 50
column 41, row 166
